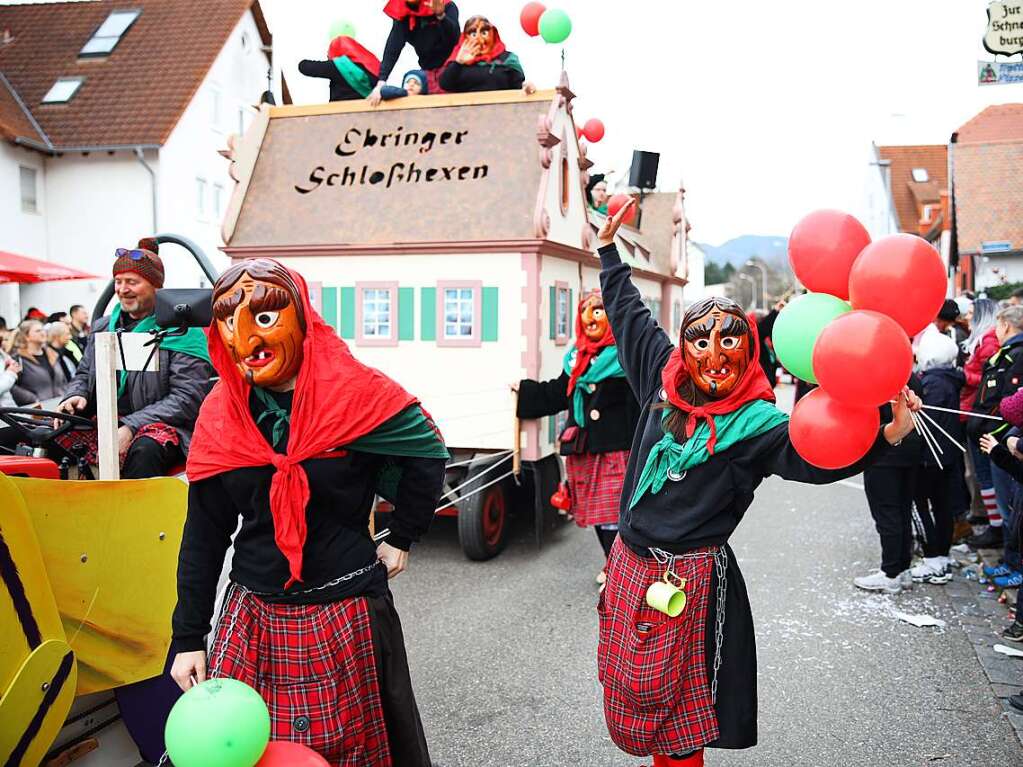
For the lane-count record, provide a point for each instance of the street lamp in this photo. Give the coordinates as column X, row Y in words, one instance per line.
column 763, row 281
column 752, row 287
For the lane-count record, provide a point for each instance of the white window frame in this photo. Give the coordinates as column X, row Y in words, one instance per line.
column 464, row 297
column 376, row 321
column 63, row 90
column 110, row 35
column 201, row 187
column 216, row 108
column 218, row 201
column 29, row 205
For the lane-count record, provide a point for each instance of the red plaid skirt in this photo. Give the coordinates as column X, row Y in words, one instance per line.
column 657, row 698
column 595, row 484
column 433, row 81
column 158, row 432
column 314, row 667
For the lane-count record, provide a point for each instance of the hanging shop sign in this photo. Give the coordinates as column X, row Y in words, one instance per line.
column 1004, row 33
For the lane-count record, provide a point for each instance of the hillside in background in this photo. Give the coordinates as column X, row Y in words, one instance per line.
column 737, row 251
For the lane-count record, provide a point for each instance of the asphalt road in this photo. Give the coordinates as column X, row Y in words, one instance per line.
column 503, row 652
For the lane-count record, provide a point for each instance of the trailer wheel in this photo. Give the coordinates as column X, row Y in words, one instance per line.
column 483, row 522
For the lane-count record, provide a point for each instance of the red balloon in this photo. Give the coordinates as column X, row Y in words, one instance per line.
column 530, row 18
column 902, row 276
column 822, row 249
column 615, row 204
column 831, row 434
column 862, row 358
column 593, row 130
column 283, row 753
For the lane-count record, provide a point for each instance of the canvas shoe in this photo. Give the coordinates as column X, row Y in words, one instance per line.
column 991, row 538
column 1014, row 633
column 878, row 581
column 931, row 570
column 998, row 571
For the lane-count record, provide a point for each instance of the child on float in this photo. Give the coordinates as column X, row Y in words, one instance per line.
column 480, row 62
column 414, row 83
column 431, row 28
column 709, row 434
column 296, row 440
column 351, row 70
column 602, row 416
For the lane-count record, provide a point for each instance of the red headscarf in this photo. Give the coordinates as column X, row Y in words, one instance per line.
column 350, row 47
column 337, row 400
column 495, row 50
column 752, row 386
column 398, row 10
column 586, row 349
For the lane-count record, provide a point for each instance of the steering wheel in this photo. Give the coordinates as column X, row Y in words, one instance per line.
column 36, row 426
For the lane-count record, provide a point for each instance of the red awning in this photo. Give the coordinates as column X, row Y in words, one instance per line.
column 15, row 268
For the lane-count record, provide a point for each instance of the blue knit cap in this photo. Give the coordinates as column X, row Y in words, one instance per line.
column 420, row 75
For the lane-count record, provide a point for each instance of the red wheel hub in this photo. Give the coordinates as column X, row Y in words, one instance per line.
column 493, row 516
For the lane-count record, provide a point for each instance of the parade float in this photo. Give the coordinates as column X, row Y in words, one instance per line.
column 447, row 239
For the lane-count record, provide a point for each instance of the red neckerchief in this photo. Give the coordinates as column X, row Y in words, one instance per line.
column 337, row 400
column 348, row 46
column 398, row 10
column 586, row 349
column 752, row 386
column 496, row 49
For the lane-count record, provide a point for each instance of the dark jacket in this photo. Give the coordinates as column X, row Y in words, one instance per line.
column 171, row 396
column 495, row 76
column 942, row 387
column 907, row 454
column 610, row 408
column 705, row 506
column 768, row 359
column 1002, row 377
column 432, row 39
column 340, row 90
column 39, row 380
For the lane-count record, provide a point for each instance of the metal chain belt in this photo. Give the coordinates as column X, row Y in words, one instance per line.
column 321, row 587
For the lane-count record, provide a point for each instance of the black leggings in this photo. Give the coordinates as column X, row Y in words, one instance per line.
column 606, row 538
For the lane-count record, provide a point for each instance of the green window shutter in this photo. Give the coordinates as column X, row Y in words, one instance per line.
column 347, row 324
column 490, row 314
column 428, row 314
column 406, row 314
column 554, row 312
column 329, row 307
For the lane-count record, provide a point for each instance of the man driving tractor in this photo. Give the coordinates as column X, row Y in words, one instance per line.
column 156, row 410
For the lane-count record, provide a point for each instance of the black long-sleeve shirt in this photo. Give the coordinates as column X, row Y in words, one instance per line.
column 340, row 90
column 705, row 507
column 432, row 39
column 338, row 542
column 458, row 78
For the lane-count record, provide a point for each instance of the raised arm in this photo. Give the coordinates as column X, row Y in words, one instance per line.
column 311, row 68
column 541, row 398
column 643, row 348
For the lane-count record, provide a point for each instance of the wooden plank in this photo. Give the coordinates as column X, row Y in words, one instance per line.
column 106, row 405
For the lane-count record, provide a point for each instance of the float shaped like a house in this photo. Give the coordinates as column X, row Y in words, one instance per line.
column 446, row 238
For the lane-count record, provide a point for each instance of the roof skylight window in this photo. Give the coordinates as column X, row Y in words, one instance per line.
column 63, row 90
column 109, row 34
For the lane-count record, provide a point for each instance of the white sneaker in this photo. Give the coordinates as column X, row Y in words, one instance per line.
column 932, row 570
column 878, row 581
column 906, row 580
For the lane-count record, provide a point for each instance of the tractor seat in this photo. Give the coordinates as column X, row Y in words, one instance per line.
column 27, row 466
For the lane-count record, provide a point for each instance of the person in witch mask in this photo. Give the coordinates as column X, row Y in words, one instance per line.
column 708, row 436
column 480, row 62
column 351, row 69
column 431, row 28
column 296, row 439
column 602, row 415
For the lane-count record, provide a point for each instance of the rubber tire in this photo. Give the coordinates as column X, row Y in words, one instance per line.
column 471, row 531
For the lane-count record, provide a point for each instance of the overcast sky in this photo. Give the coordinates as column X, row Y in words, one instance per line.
column 766, row 110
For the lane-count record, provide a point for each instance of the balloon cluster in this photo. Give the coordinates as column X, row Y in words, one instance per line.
column 851, row 333
column 225, row 722
column 552, row 24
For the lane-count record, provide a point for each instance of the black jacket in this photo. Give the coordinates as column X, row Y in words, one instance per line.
column 340, row 90
column 907, row 454
column 457, row 78
column 996, row 386
column 341, row 490
column 432, row 39
column 610, row 408
column 941, row 387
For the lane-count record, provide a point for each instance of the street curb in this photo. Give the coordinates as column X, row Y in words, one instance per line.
column 982, row 618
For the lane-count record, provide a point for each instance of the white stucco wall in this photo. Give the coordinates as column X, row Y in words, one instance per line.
column 697, row 261
column 566, row 227
column 21, row 232
column 877, row 213
column 466, row 389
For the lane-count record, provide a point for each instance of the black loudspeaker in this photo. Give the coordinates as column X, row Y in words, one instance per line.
column 184, row 307
column 643, row 174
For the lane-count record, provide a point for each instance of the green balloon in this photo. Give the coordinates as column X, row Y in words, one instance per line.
column 342, row 28
column 797, row 327
column 555, row 26
column 221, row 721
